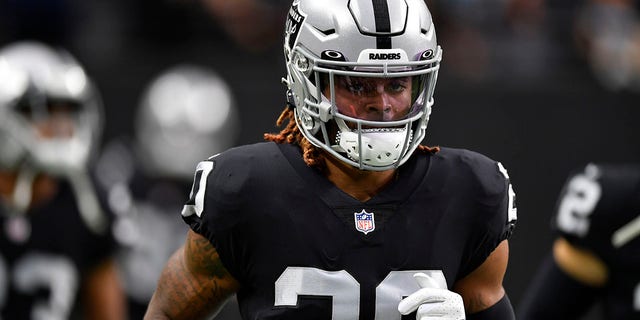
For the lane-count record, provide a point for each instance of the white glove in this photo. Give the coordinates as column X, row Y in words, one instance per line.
column 432, row 302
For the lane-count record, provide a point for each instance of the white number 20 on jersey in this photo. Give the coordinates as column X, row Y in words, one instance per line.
column 345, row 290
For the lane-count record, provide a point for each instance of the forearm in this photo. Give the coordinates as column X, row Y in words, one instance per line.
column 183, row 295
column 194, row 284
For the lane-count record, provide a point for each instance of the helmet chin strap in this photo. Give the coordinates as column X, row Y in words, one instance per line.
column 87, row 200
column 23, row 190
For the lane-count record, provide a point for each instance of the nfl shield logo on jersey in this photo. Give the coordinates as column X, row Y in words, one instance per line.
column 365, row 222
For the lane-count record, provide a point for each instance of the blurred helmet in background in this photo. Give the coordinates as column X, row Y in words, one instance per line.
column 50, row 111
column 186, row 114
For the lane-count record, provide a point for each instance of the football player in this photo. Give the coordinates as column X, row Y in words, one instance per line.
column 596, row 253
column 55, row 241
column 343, row 214
column 147, row 190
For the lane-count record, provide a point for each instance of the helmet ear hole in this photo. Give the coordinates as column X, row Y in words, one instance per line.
column 302, row 64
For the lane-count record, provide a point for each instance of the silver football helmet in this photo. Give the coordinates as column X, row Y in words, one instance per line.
column 186, row 114
column 50, row 121
column 38, row 84
column 361, row 76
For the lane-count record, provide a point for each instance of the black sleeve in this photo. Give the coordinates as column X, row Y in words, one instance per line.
column 555, row 295
column 496, row 211
column 501, row 310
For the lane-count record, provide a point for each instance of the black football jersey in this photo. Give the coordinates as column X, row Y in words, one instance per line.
column 599, row 210
column 303, row 249
column 44, row 254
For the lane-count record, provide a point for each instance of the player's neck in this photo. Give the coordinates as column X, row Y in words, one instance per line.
column 360, row 184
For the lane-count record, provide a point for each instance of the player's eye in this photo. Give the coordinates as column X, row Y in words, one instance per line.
column 396, row 87
column 357, row 88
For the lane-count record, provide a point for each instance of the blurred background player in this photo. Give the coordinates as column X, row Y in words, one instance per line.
column 55, row 244
column 593, row 270
column 185, row 113
column 596, row 255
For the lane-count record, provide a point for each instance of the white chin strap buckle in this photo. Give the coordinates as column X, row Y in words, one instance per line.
column 380, row 147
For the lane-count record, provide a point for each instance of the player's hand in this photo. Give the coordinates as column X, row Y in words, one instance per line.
column 432, row 302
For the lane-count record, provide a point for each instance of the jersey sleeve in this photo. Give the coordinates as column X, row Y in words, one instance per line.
column 499, row 212
column 222, row 188
column 494, row 204
column 216, row 196
column 194, row 207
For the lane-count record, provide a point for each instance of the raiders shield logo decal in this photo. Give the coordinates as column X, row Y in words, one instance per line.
column 365, row 221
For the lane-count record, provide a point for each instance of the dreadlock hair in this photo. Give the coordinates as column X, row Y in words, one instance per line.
column 310, row 153
column 291, row 134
